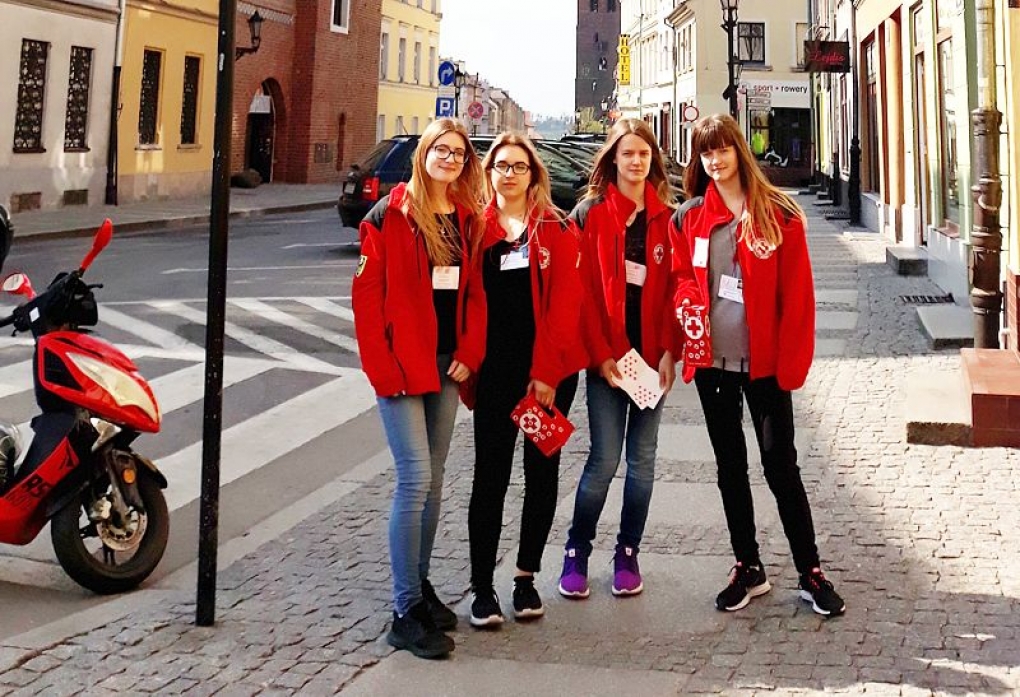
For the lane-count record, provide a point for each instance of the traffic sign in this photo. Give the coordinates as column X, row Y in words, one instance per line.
column 475, row 110
column 444, row 107
column 447, row 73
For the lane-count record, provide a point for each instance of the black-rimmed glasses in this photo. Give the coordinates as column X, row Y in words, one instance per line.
column 505, row 168
column 443, row 152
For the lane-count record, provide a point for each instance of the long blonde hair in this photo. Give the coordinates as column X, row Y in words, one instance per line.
column 761, row 197
column 605, row 171
column 465, row 191
column 539, row 194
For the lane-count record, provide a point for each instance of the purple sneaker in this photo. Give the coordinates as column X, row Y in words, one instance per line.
column 574, row 579
column 626, row 574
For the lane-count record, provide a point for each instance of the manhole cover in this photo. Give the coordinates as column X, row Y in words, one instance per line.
column 926, row 299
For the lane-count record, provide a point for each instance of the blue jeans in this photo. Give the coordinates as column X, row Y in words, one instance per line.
column 418, row 429
column 613, row 418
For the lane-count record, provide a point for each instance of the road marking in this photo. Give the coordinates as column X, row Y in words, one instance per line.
column 328, row 307
column 263, row 268
column 147, row 332
column 191, row 301
column 261, row 344
column 258, row 441
column 315, row 244
column 272, row 314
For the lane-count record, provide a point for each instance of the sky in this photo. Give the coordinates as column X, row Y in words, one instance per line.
column 524, row 46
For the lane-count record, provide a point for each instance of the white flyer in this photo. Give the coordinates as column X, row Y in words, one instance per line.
column 639, row 380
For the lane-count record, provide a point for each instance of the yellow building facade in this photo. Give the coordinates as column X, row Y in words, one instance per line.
column 167, row 99
column 408, row 63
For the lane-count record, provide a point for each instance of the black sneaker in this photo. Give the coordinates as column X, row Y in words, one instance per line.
column 746, row 582
column 417, row 633
column 527, row 602
column 444, row 617
column 485, row 610
column 818, row 590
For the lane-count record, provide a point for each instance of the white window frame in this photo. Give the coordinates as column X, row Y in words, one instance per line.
column 401, row 58
column 417, row 63
column 380, row 127
column 384, row 55
column 345, row 11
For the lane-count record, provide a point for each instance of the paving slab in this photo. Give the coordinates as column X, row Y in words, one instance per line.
column 838, row 297
column 690, row 442
column 835, row 320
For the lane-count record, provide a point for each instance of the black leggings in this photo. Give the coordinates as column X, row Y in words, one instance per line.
column 771, row 408
column 500, row 388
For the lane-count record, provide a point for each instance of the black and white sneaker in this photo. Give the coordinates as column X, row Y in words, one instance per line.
column 746, row 582
column 485, row 611
column 818, row 590
column 527, row 602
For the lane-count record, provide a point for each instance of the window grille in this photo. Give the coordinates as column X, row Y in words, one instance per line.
column 76, row 121
column 189, row 101
column 31, row 92
column 148, row 111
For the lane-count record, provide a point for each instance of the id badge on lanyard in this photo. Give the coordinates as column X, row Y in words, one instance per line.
column 445, row 277
column 516, row 258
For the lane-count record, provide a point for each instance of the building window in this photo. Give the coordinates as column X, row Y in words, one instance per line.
column 189, row 100
column 594, row 5
column 417, row 62
column 414, row 126
column 947, row 134
column 751, row 42
column 28, row 119
column 398, row 127
column 435, row 6
column 380, row 127
column 611, row 5
column 401, row 58
column 800, row 35
column 76, row 121
column 432, row 65
column 384, row 54
column 872, row 164
column 341, row 14
column 148, row 110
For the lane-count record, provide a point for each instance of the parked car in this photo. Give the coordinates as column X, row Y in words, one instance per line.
column 389, row 163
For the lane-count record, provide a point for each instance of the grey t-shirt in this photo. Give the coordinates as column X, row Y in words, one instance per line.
column 727, row 317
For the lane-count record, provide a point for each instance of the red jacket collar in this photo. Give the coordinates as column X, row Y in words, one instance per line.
column 621, row 206
column 399, row 192
column 715, row 208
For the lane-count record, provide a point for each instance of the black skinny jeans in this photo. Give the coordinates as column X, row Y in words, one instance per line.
column 771, row 410
column 500, row 387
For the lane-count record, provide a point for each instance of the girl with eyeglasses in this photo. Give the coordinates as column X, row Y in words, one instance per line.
column 740, row 249
column 625, row 252
column 532, row 285
column 419, row 307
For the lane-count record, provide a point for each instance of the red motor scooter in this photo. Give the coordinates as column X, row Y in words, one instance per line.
column 108, row 518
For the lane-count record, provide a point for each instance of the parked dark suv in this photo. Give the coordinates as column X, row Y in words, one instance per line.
column 390, row 163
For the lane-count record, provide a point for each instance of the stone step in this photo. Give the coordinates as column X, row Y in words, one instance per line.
column 936, row 408
column 907, row 261
column 947, row 326
column 992, row 377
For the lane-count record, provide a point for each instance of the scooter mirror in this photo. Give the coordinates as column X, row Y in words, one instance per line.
column 18, row 284
column 103, row 236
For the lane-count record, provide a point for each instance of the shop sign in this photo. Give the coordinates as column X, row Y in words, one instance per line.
column 781, row 94
column 827, row 56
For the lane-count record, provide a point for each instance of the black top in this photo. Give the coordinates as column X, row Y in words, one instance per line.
column 634, row 250
column 511, row 327
column 445, row 301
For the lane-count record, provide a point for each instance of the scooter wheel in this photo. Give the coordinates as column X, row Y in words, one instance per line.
column 106, row 557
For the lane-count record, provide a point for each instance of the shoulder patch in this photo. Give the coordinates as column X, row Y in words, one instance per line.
column 361, row 265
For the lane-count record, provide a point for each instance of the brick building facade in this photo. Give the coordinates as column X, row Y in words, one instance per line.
column 305, row 103
column 598, row 31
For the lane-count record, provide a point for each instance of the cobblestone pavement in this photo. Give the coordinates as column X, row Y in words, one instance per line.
column 918, row 539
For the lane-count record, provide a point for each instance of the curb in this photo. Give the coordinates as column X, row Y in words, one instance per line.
column 172, row 223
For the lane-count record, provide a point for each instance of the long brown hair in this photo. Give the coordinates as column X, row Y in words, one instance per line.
column 761, row 197
column 539, row 194
column 604, row 172
column 465, row 191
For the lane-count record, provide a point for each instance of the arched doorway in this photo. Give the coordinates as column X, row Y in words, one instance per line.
column 261, row 131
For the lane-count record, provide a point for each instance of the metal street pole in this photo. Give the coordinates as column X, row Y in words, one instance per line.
column 208, row 535
column 729, row 25
column 986, row 193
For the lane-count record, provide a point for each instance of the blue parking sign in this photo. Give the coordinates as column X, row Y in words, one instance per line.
column 444, row 107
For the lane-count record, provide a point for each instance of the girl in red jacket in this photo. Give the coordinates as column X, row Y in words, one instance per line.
column 532, row 284
column 625, row 254
column 739, row 249
column 419, row 309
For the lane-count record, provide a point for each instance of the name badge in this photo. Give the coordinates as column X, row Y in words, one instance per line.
column 700, row 258
column 445, row 277
column 514, row 259
column 731, row 288
column 636, row 273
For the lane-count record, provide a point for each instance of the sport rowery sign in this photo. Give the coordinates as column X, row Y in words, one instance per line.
column 827, row 56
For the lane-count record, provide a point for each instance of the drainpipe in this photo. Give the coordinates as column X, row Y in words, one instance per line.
column 111, row 141
column 986, row 193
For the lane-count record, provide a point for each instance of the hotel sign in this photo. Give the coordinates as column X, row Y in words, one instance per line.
column 827, row 56
column 623, row 61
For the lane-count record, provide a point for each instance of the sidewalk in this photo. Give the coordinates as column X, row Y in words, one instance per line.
column 143, row 215
column 919, row 540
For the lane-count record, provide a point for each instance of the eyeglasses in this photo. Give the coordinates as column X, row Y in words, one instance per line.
column 505, row 168
column 443, row 152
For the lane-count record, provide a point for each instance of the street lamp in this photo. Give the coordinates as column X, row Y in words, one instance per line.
column 255, row 28
column 729, row 25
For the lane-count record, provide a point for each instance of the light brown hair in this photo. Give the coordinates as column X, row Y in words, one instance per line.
column 465, row 191
column 604, row 171
column 539, row 195
column 761, row 197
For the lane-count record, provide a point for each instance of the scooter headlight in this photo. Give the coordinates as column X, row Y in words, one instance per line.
column 10, row 450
